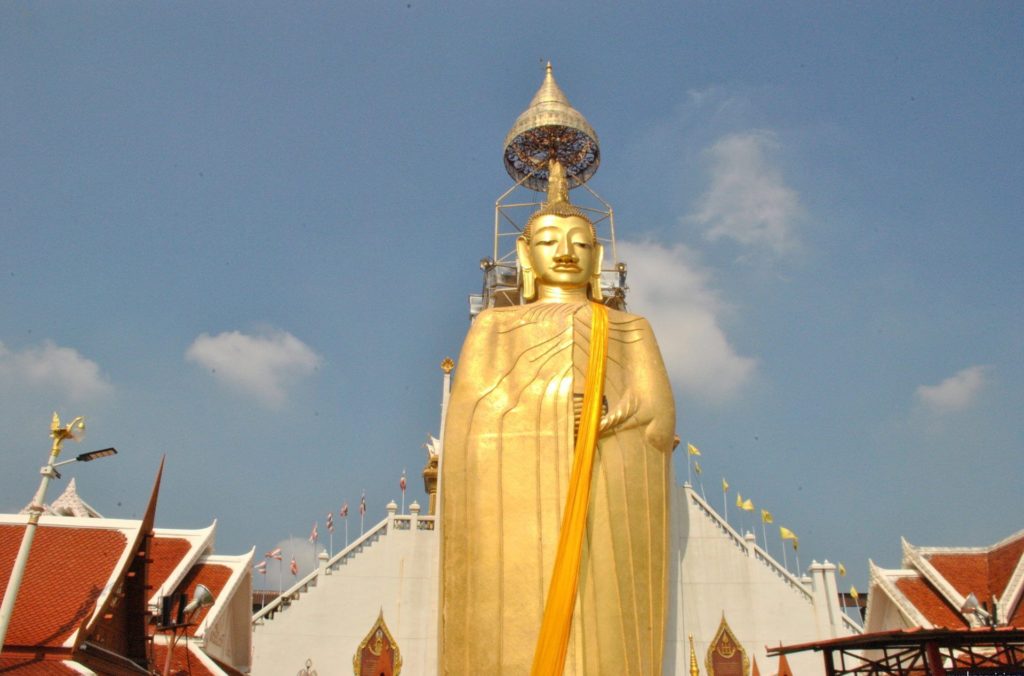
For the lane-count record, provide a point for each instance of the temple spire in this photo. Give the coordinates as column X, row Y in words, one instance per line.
column 549, row 91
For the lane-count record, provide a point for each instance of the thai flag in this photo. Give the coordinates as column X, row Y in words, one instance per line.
column 274, row 554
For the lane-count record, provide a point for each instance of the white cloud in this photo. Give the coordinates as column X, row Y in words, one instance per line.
column 302, row 551
column 262, row 366
column 673, row 292
column 748, row 201
column 956, row 392
column 52, row 367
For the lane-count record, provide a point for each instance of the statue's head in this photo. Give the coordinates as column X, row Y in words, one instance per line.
column 559, row 247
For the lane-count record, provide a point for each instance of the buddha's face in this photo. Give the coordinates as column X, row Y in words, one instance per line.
column 562, row 251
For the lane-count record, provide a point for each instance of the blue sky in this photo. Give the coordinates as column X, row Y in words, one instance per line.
column 243, row 236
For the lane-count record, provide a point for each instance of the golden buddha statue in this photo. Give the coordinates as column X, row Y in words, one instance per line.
column 515, row 418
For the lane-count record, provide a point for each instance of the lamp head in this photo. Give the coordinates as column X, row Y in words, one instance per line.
column 201, row 598
column 93, row 455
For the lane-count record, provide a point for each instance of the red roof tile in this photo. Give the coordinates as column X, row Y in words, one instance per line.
column 982, row 573
column 183, row 663
column 1001, row 564
column 165, row 554
column 930, row 603
column 214, row 576
column 78, row 561
column 34, row 666
column 966, row 572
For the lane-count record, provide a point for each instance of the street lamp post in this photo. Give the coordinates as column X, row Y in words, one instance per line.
column 74, row 430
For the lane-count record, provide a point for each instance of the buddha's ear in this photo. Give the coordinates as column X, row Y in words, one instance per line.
column 595, row 278
column 529, row 291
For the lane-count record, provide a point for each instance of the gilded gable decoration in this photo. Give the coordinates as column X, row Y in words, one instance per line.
column 726, row 657
column 378, row 653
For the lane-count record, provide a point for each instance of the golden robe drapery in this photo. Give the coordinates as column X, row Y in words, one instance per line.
column 508, row 447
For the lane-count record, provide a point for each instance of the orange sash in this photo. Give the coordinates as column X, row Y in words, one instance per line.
column 553, row 642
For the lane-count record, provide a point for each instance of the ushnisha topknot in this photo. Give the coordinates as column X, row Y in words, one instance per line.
column 558, row 202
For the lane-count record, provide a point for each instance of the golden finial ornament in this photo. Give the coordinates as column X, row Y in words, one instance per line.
column 551, row 129
column 447, row 365
column 74, row 430
column 694, row 669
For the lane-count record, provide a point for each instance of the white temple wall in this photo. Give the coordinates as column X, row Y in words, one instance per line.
column 714, row 571
column 396, row 573
column 717, row 573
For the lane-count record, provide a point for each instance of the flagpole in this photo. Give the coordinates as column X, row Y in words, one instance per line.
column 764, row 533
column 689, row 475
column 346, row 531
column 784, row 561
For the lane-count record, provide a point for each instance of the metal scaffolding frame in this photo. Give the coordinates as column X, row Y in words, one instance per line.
column 921, row 652
column 501, row 273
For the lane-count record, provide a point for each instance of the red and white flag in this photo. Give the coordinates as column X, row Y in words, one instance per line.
column 314, row 535
column 261, row 567
column 344, row 510
column 362, row 505
column 274, row 554
column 330, row 521
column 294, row 567
column 401, row 484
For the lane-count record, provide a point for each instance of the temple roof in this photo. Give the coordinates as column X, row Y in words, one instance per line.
column 934, row 583
column 87, row 576
column 69, row 503
column 81, row 559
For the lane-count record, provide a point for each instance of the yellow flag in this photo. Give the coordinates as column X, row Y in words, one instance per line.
column 786, row 534
column 842, row 570
column 766, row 516
column 692, row 450
column 796, row 544
column 725, row 485
column 739, row 501
column 747, row 505
column 696, row 467
column 853, row 593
